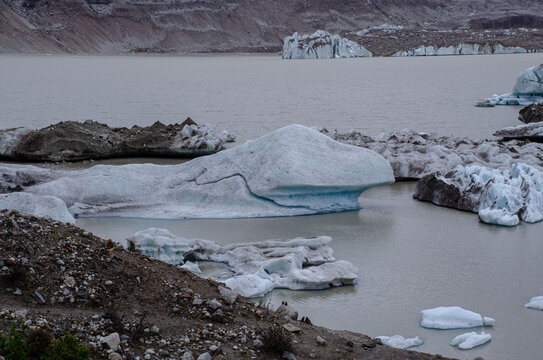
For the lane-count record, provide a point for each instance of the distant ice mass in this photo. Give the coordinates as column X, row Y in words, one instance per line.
column 461, row 49
column 528, row 89
column 415, row 154
column 291, row 171
column 535, row 303
column 257, row 267
column 470, row 340
column 321, row 45
column 501, row 197
column 399, row 342
column 453, row 317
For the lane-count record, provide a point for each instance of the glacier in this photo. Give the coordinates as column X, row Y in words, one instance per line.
column 535, row 303
column 453, row 317
column 528, row 89
column 321, row 45
column 500, row 197
column 461, row 49
column 290, row 171
column 470, row 340
column 400, row 342
column 414, row 154
column 257, row 267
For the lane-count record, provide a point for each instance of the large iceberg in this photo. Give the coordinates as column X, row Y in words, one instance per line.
column 535, row 303
column 255, row 268
column 470, row 340
column 501, row 197
column 453, row 317
column 400, row 342
column 461, row 49
column 528, row 89
column 321, row 45
column 415, row 154
column 291, row 171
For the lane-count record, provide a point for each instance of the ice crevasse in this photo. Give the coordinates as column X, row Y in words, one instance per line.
column 290, row 171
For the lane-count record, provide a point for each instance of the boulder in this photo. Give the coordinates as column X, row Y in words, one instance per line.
column 531, row 114
column 532, row 132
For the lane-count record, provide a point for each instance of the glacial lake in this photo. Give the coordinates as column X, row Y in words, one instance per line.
column 411, row 255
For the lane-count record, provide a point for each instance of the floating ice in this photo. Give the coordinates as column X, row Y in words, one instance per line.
column 535, row 303
column 321, row 45
column 192, row 267
column 501, row 197
column 453, row 317
column 462, row 49
column 291, row 171
column 528, row 89
column 470, row 340
column 399, row 342
column 416, row 154
column 258, row 267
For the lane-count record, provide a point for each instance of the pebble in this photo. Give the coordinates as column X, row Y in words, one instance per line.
column 257, row 343
column 288, row 356
column 228, row 295
column 214, row 304
column 155, row 329
column 187, row 356
column 112, row 340
column 321, row 341
column 114, row 356
column 291, row 328
column 109, row 282
column 204, row 356
column 70, row 281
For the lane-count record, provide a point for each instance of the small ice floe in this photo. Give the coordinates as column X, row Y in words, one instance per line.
column 399, row 342
column 535, row 303
column 470, row 340
column 453, row 317
column 258, row 267
column 485, row 103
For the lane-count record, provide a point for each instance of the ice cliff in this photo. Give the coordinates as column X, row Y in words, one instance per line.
column 321, row 45
column 501, row 197
column 291, row 171
column 461, row 49
column 255, row 268
column 528, row 89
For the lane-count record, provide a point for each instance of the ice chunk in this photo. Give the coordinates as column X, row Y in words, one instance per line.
column 321, row 45
column 399, row 342
column 500, row 197
column 258, row 267
column 192, row 267
column 528, row 89
column 535, row 303
column 43, row 206
column 453, row 317
column 291, row 171
column 470, row 340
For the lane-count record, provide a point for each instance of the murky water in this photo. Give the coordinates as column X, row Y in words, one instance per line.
column 411, row 255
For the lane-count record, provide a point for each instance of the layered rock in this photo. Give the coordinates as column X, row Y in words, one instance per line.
column 531, row 113
column 321, row 45
column 74, row 141
column 532, row 132
column 461, row 49
column 291, row 171
column 413, row 155
column 501, row 197
column 528, row 89
column 253, row 269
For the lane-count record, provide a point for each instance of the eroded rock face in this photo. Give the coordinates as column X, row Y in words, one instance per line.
column 74, row 141
column 413, row 155
column 531, row 113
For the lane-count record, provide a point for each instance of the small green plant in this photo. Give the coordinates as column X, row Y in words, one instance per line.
column 38, row 345
column 276, row 340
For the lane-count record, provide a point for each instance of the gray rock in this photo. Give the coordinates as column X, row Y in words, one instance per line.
column 214, row 304
column 114, row 356
column 531, row 113
column 291, row 328
column 321, row 341
column 228, row 295
column 187, row 356
column 288, row 356
column 285, row 310
column 70, row 281
column 218, row 315
column 197, row 301
column 204, row 356
column 112, row 341
column 39, row 297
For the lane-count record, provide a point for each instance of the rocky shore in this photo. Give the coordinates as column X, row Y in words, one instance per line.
column 124, row 305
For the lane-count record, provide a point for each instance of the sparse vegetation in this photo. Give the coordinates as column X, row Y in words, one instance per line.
column 276, row 340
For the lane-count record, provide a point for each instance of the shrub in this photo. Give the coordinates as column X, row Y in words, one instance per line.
column 67, row 348
column 276, row 340
column 38, row 343
column 14, row 347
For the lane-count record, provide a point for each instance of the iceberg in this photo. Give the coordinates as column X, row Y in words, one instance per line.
column 527, row 90
column 500, row 197
column 470, row 340
column 399, row 342
column 258, row 267
column 413, row 154
column 535, row 303
column 291, row 171
column 321, row 45
column 461, row 49
column 453, row 317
